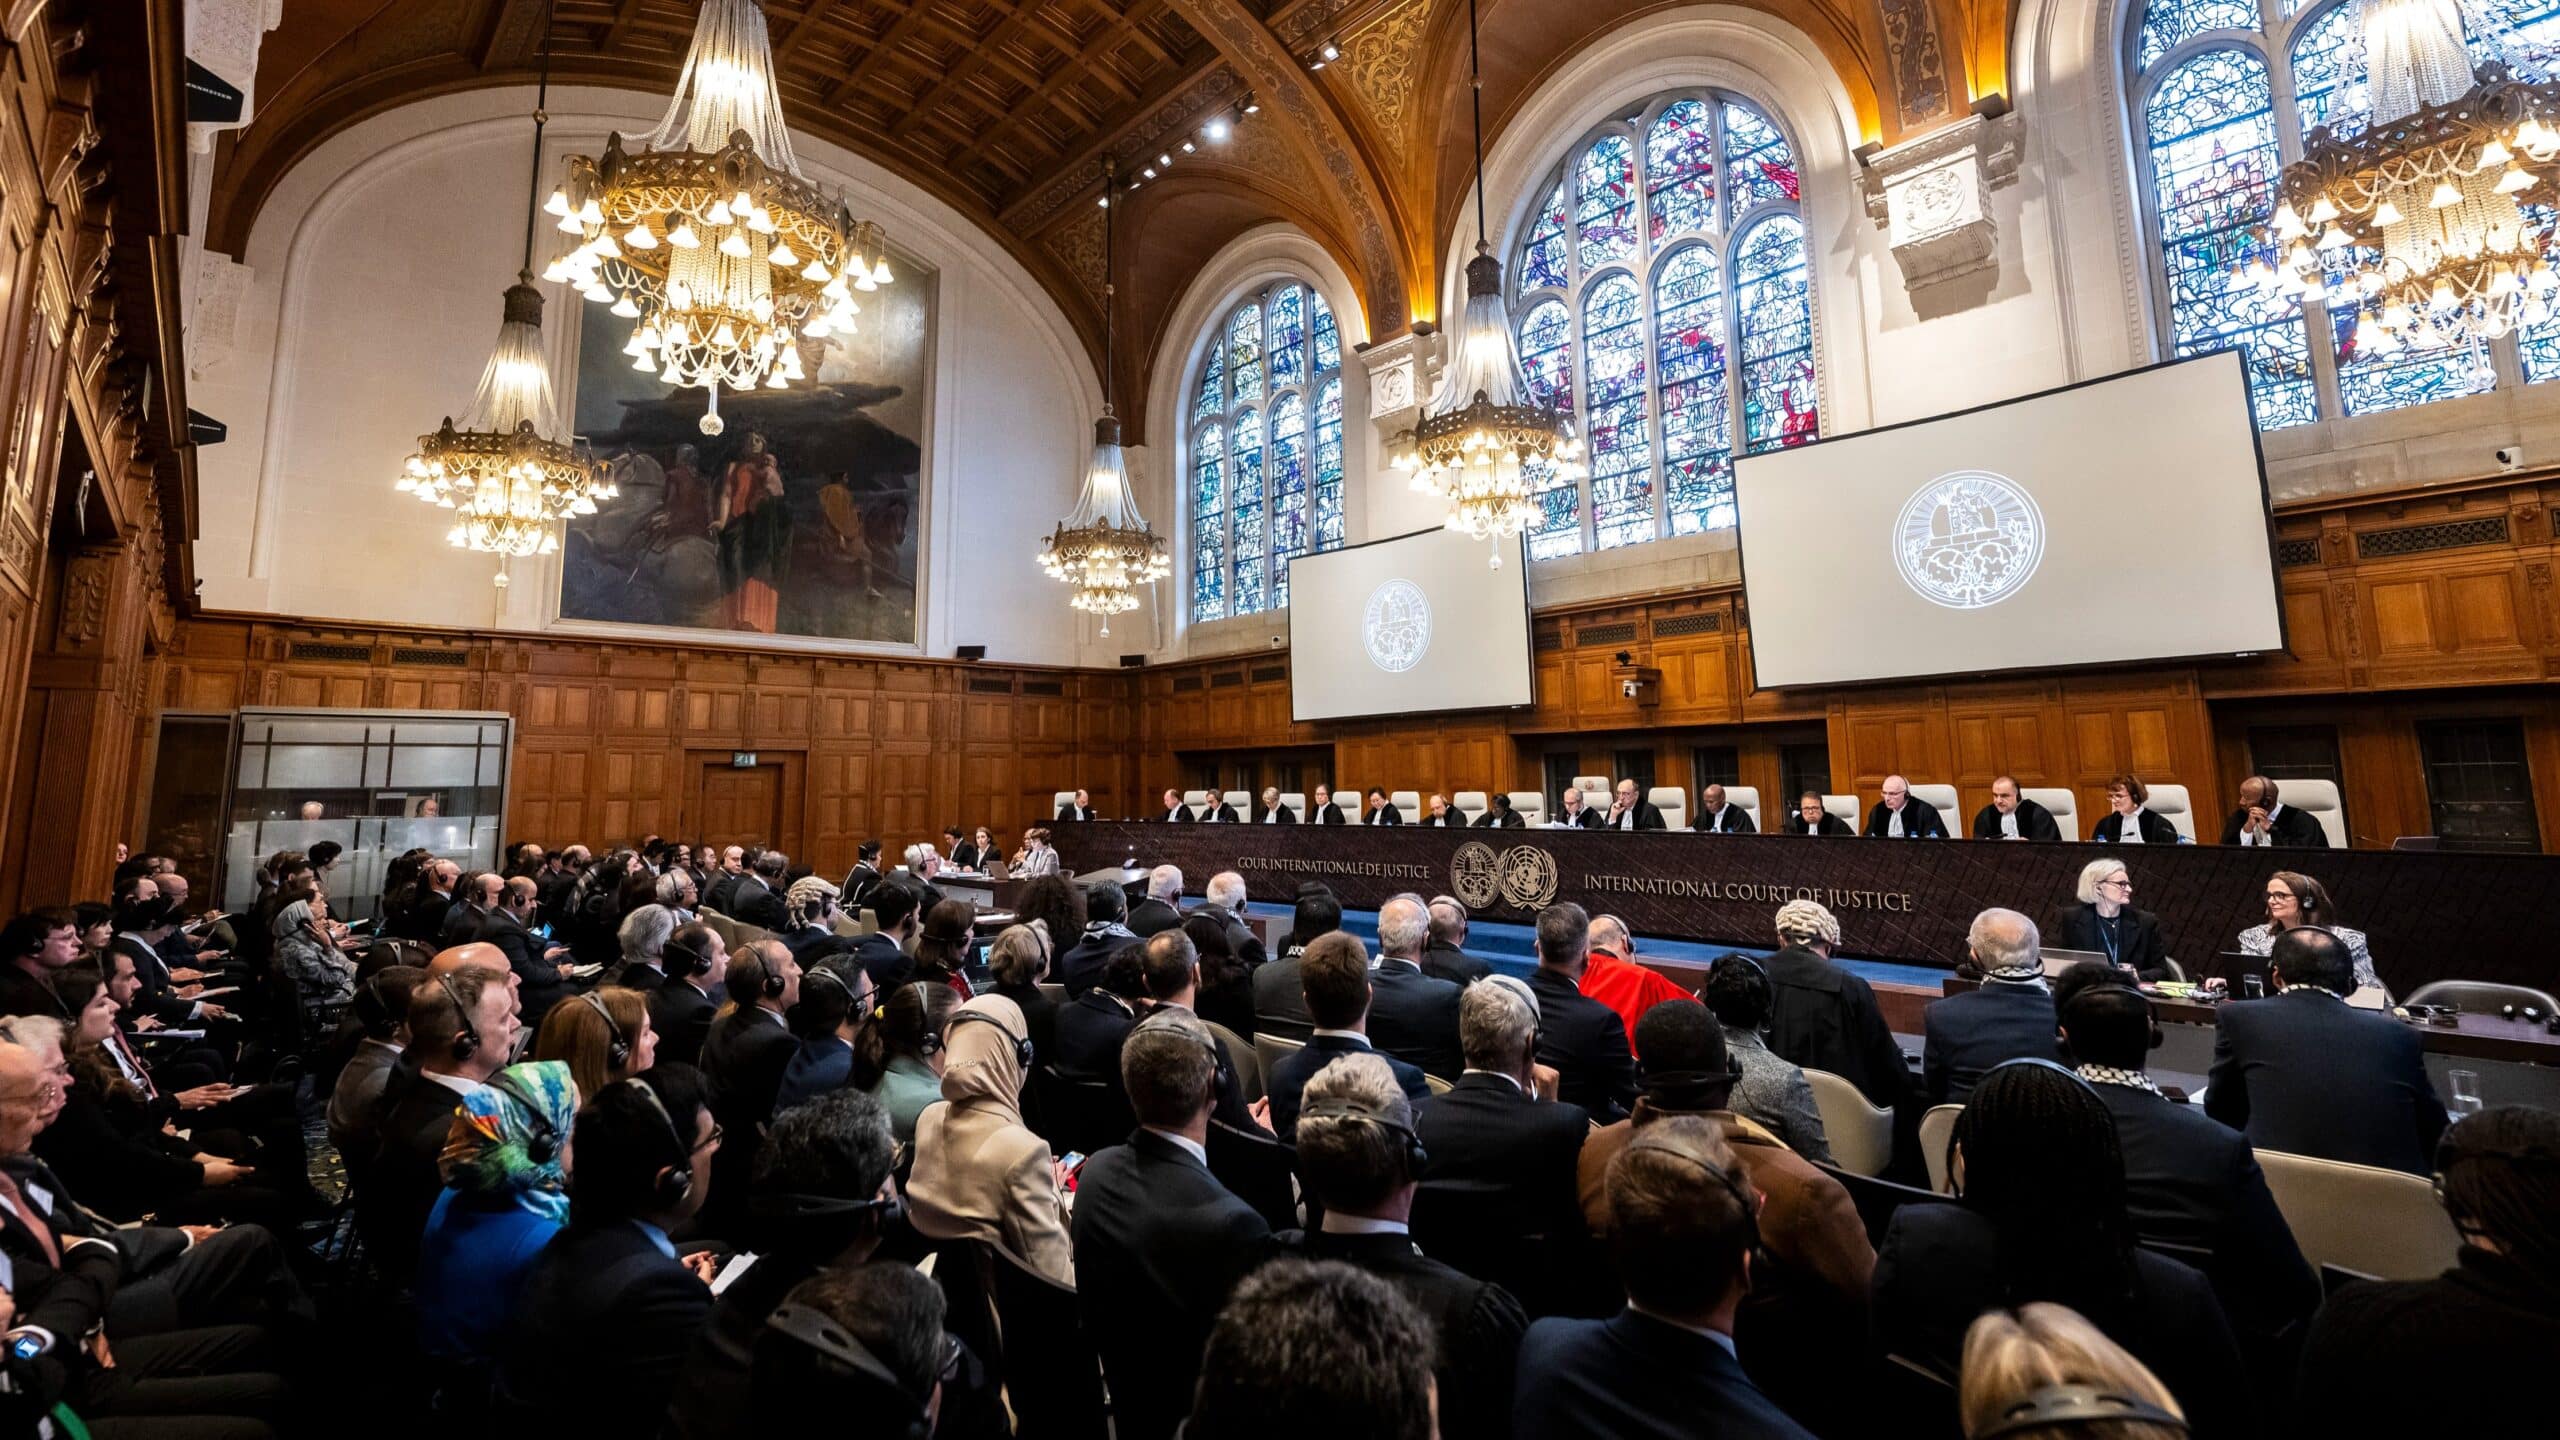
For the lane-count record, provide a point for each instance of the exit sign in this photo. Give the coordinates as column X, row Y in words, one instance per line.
column 742, row 759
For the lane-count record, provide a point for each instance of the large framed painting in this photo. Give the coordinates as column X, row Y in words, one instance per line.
column 802, row 518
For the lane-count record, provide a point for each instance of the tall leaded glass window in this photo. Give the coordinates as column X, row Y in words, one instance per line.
column 1666, row 237
column 1265, row 450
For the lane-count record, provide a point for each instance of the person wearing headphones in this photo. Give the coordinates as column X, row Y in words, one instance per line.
column 505, row 1195
column 1681, row 1237
column 462, row 1028
column 980, row 1173
column 897, row 1057
column 750, row 1047
column 682, row 1009
column 603, row 1036
column 609, row 1310
column 2041, row 1371
column 2009, row 1016
column 827, row 1021
column 866, row 1341
column 381, row 1011
column 1772, row 1092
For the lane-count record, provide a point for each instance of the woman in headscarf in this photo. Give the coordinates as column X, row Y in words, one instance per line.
column 505, row 1167
column 324, row 977
column 980, row 1173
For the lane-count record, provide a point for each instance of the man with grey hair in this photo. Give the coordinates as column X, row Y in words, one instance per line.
column 1901, row 815
column 1578, row 1035
column 1411, row 1015
column 1158, row 1241
column 1273, row 812
column 733, row 867
column 676, row 891
column 1225, row 898
column 1446, row 957
column 1160, row 910
column 758, row 898
column 1571, row 811
column 2009, row 1018
column 1822, row 1017
column 643, row 936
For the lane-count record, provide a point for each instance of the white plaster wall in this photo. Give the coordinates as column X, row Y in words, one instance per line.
column 376, row 270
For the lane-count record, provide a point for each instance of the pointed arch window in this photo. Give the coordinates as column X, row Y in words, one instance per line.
column 1265, row 449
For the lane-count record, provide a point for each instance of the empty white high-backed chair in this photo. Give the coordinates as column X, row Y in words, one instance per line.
column 1844, row 806
column 1240, row 801
column 1408, row 805
column 2059, row 800
column 1595, row 789
column 2319, row 800
column 1197, row 800
column 1531, row 805
column 1942, row 798
column 1673, row 802
column 1470, row 805
column 1747, row 799
column 2170, row 803
column 1297, row 804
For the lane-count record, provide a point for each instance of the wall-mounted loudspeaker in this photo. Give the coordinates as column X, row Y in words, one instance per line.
column 1132, row 662
column 973, row 652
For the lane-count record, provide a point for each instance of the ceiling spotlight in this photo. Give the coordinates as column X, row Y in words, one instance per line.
column 1149, row 172
column 1102, row 200
column 1218, row 130
column 1164, row 159
column 1327, row 53
column 1188, row 147
column 1251, row 105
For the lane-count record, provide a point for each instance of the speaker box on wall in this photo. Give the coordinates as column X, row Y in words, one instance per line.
column 1132, row 662
column 973, row 652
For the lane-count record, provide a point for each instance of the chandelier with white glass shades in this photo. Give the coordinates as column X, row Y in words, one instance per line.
column 1105, row 549
column 2418, row 223
column 709, row 235
column 1483, row 430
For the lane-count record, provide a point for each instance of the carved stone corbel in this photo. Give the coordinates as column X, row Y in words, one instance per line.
column 1932, row 196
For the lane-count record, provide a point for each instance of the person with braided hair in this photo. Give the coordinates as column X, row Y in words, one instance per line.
column 2036, row 1161
column 2491, row 1323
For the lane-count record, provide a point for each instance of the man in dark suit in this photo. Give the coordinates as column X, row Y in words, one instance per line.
column 1357, row 1154
column 1498, row 815
column 422, row 919
column 535, row 962
column 1901, row 815
column 1175, row 812
column 2302, row 1073
column 1664, row 1366
column 1412, row 1017
column 1091, row 1028
column 864, row 877
column 2011, row 816
column 463, row 1029
column 1571, row 811
column 32, row 948
column 1583, row 1039
column 897, row 907
column 1224, row 901
column 1446, row 957
column 2189, row 1180
column 1272, row 812
column 558, row 883
column 742, row 1061
column 682, row 1009
column 1105, row 908
column 1080, row 808
column 2010, row 1017
column 1279, row 999
column 608, row 1311
column 1717, row 816
column 1631, row 811
column 1161, row 909
column 1324, row 811
column 1809, row 818
column 757, row 899
column 1381, row 812
column 472, row 904
column 2261, row 821
column 1335, row 974
column 733, row 868
column 1821, row 1017
column 1158, row 1241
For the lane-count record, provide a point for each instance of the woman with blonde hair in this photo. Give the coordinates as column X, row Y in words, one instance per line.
column 2041, row 1372
column 1021, row 956
column 980, row 1173
column 588, row 1032
column 2105, row 922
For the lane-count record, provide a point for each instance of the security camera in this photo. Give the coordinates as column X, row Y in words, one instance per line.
column 2510, row 457
column 1628, row 688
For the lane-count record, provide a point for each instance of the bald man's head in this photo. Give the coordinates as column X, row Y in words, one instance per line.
column 475, row 953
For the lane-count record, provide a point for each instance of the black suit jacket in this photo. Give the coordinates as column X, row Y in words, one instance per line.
column 2156, row 829
column 2304, row 1073
column 1414, row 1018
column 880, row 958
column 1080, row 967
column 1732, row 820
column 1280, row 1001
column 1385, row 815
column 1501, row 820
column 402, row 1182
column 1158, row 1243
column 1288, row 1079
column 539, row 983
column 1920, row 820
column 1502, row 1169
column 1152, row 916
column 1821, row 1017
column 859, row 882
column 2192, row 1181
column 1447, row 962
column 1965, row 1035
column 1245, row 945
column 422, row 919
column 24, row 994
column 155, row 997
column 2485, row 1316
column 1476, row 1324
column 743, row 1058
column 460, row 925
column 1584, row 819
column 1587, row 1043
column 723, row 891
column 1831, row 825
column 1179, row 815
column 1287, row 816
column 1073, row 811
column 2137, row 938
column 1648, row 817
column 1632, row 1377
column 2289, row 827
column 753, row 902
column 2034, row 822
column 65, row 1293
column 1090, row 1031
column 1328, row 813
column 681, row 1015
column 601, row 1329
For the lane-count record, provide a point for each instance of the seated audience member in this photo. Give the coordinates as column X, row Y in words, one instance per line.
column 1161, row 909
column 2126, row 822
column 1321, row 1349
column 2491, row 1323
column 1436, row 811
column 462, row 1030
column 1901, row 815
column 675, row 889
column 1322, row 810
column 608, row 1311
column 1582, row 1038
column 897, row 906
column 1279, row 999
column 2262, row 821
column 2011, row 816
column 643, row 937
column 420, row 916
column 1770, row 1093
column 858, row 881
column 1611, row 976
column 821, row 1201
column 864, row 1341
column 1807, row 1221
column 1105, row 934
column 898, row 1057
column 1159, row 1242
column 1334, row 972
column 1019, row 959
column 1821, row 1017
column 1226, row 983
column 1171, row 970
column 2295, row 901
column 2105, row 922
column 1497, row 1196
column 2044, row 1218
column 682, row 1009
column 32, row 948
column 1718, row 816
column 1175, row 811
column 1272, row 811
column 1810, row 818
column 173, row 995
column 1359, row 1156
column 2189, row 1180
column 2009, row 1017
column 809, row 909
column 603, row 1036
column 828, row 1023
column 323, row 976
column 1412, row 1016
column 757, row 897
column 535, row 962
column 473, row 903
column 1498, row 815
column 1381, row 810
column 1092, row 1027
column 980, row 1173
column 2045, row 1360
column 1446, row 957
column 749, row 1048
column 1629, row 810
column 505, row 1196
column 1681, row 1235
column 381, row 1008
column 1571, row 812
column 945, row 943
column 1081, row 808
column 2304, row 1073
column 1223, row 900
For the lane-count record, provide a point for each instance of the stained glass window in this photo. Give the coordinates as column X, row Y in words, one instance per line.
column 1660, row 335
column 2167, row 22
column 1266, row 474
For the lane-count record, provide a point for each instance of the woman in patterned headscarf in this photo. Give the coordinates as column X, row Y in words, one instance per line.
column 505, row 1170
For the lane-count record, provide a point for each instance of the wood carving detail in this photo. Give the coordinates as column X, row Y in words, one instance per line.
column 84, row 601
column 1383, row 62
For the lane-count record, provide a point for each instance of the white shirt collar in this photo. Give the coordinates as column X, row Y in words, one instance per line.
column 1512, row 1080
column 1194, row 1148
column 1336, row 1223
column 455, row 1083
column 1345, row 1035
column 1717, row 1336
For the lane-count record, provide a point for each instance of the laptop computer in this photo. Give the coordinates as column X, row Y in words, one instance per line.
column 2057, row 961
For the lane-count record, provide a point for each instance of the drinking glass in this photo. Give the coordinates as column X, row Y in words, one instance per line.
column 2466, row 1091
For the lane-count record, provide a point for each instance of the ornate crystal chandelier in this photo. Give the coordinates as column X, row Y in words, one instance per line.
column 2416, row 223
column 709, row 235
column 508, row 483
column 1105, row 548
column 1483, row 429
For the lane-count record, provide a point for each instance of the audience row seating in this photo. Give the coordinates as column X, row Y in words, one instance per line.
column 1861, row 1135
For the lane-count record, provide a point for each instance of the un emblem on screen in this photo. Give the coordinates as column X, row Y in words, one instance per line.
column 1968, row 539
column 1396, row 627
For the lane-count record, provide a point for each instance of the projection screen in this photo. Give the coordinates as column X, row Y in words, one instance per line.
column 1416, row 625
column 2122, row 519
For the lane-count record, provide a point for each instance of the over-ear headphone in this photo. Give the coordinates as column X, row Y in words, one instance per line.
column 1022, row 1051
column 837, row 1347
column 1741, row 1195
column 891, row 1208
column 2075, row 1406
column 1415, row 1157
column 675, row 1181
column 466, row 1038
column 773, row 983
column 543, row 1145
column 1220, row 1074
column 931, row 1044
column 695, row 962
column 2113, row 985
column 617, row 1047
